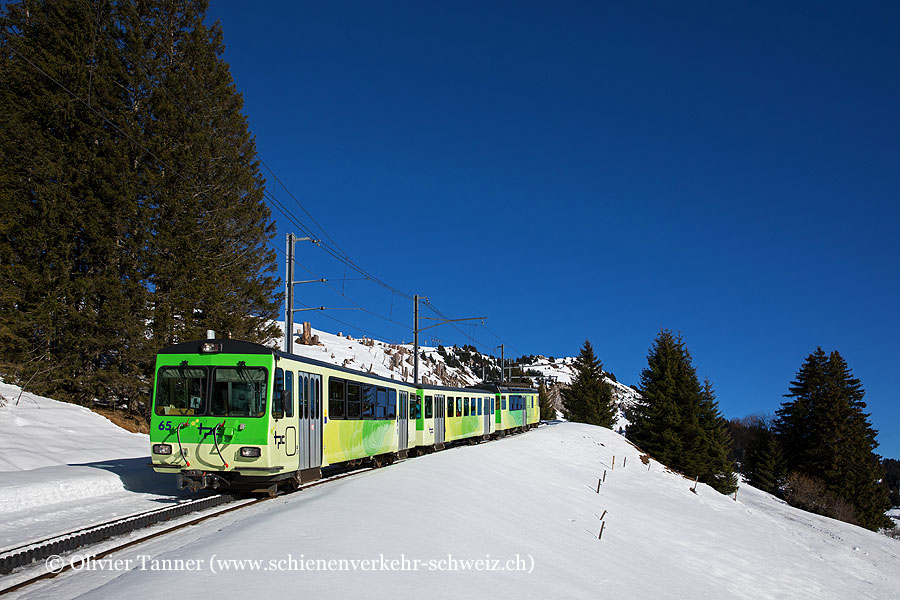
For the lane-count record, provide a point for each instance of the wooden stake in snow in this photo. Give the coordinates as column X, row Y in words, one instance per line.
column 624, row 460
column 614, row 463
column 603, row 515
column 694, row 489
column 604, row 475
column 602, row 525
column 598, row 484
column 735, row 495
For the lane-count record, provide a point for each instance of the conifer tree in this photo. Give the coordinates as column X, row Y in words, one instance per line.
column 827, row 435
column 70, row 209
column 208, row 263
column 678, row 421
column 548, row 412
column 589, row 398
column 131, row 203
column 766, row 466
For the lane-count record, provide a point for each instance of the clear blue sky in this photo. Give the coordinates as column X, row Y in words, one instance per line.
column 580, row 170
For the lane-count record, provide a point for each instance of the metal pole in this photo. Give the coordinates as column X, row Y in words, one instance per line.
column 289, row 297
column 502, row 364
column 416, row 340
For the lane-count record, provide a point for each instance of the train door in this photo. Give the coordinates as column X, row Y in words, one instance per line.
column 290, row 432
column 403, row 421
column 439, row 419
column 316, row 431
column 285, row 420
column 487, row 415
column 310, row 388
column 524, row 412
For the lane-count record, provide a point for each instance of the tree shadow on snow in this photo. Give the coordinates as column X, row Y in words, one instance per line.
column 137, row 477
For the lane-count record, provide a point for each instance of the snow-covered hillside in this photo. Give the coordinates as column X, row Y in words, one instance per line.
column 62, row 464
column 441, row 525
column 396, row 361
column 388, row 360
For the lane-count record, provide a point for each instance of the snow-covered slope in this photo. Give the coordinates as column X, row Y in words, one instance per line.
column 62, row 465
column 39, row 432
column 527, row 505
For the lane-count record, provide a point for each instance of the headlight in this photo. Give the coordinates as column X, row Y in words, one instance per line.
column 210, row 348
column 162, row 449
column 248, row 452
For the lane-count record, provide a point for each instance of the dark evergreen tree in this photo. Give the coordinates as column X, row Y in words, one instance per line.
column 678, row 421
column 826, row 434
column 766, row 467
column 131, row 204
column 209, row 266
column 74, row 326
column 714, row 466
column 548, row 412
column 892, row 479
column 589, row 398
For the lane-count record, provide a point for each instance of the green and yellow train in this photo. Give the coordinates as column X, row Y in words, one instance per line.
column 229, row 414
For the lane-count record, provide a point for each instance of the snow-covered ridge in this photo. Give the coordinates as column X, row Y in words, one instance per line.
column 396, row 361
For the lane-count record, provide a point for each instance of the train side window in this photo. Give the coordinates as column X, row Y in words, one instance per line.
column 392, row 405
column 301, row 397
column 381, row 403
column 417, row 406
column 503, row 402
column 354, row 400
column 458, row 406
column 429, row 411
column 317, row 398
column 479, row 407
column 465, row 407
column 278, row 397
column 336, row 398
column 289, row 397
column 450, row 406
column 368, row 401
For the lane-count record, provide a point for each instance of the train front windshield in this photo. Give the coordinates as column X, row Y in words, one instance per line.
column 233, row 391
column 239, row 392
column 180, row 391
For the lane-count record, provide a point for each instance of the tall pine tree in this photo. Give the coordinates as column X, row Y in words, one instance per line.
column 70, row 207
column 131, row 203
column 589, row 398
column 208, row 263
column 826, row 434
column 765, row 467
column 677, row 419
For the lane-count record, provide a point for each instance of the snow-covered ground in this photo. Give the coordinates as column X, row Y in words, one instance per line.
column 62, row 465
column 439, row 525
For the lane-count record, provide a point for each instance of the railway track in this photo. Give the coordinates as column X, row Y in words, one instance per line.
column 33, row 552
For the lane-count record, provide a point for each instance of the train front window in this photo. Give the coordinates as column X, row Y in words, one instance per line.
column 180, row 391
column 239, row 392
